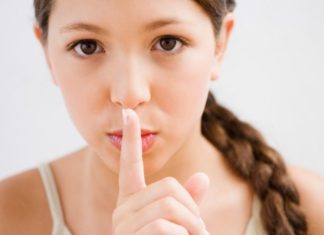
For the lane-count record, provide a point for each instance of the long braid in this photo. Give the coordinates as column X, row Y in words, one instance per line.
column 260, row 165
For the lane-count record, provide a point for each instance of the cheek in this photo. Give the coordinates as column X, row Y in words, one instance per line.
column 81, row 95
column 184, row 91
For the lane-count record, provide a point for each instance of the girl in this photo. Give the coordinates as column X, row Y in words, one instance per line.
column 163, row 157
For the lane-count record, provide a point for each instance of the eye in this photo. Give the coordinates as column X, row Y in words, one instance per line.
column 85, row 48
column 170, row 44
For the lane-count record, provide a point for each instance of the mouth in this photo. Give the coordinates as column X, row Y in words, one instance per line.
column 148, row 139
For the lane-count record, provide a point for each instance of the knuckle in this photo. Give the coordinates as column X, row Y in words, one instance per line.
column 171, row 184
column 120, row 214
column 168, row 206
column 200, row 224
column 183, row 231
column 116, row 215
column 159, row 227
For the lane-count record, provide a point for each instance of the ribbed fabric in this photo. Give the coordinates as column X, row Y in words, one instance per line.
column 254, row 226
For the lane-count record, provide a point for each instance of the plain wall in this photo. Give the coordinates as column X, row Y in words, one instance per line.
column 272, row 77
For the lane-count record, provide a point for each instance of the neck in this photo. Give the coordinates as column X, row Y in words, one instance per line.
column 100, row 183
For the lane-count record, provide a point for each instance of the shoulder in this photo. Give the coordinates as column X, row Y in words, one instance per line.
column 311, row 189
column 23, row 205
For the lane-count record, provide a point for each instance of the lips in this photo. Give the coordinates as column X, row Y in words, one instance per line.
column 147, row 137
column 143, row 132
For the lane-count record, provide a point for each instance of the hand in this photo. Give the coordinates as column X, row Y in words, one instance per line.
column 164, row 207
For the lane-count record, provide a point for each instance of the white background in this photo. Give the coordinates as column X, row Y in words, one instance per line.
column 272, row 77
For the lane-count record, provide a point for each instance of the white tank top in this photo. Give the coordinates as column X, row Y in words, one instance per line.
column 254, row 227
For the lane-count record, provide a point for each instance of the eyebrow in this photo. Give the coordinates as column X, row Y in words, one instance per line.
column 82, row 26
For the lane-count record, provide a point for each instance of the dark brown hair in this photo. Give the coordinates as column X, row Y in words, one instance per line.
column 244, row 148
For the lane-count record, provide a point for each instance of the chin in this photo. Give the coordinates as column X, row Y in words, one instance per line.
column 155, row 164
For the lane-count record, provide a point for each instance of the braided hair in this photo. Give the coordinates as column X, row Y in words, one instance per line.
column 251, row 158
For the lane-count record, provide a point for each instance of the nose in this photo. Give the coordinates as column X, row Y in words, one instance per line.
column 130, row 87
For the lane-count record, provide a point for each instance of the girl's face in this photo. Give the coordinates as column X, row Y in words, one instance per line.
column 156, row 57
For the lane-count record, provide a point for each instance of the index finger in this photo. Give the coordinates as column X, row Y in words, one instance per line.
column 131, row 169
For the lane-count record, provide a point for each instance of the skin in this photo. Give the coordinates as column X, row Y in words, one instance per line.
column 107, row 191
column 164, row 205
column 133, row 71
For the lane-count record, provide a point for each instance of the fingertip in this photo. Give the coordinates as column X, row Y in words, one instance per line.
column 201, row 178
column 197, row 185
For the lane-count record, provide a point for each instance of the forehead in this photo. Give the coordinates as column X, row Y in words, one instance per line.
column 129, row 14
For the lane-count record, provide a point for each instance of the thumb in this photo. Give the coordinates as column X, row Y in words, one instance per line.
column 197, row 186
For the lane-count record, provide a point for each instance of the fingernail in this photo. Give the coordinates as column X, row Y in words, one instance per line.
column 206, row 232
column 125, row 116
column 203, row 223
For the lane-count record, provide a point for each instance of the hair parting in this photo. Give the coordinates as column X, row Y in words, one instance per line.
column 252, row 159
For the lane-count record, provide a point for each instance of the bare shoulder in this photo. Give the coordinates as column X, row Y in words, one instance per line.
column 311, row 188
column 23, row 205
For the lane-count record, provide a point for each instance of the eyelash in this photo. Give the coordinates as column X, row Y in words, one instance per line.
column 74, row 44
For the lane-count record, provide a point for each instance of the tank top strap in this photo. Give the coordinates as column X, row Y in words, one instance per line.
column 255, row 226
column 48, row 180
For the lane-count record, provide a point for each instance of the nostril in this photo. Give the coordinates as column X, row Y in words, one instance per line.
column 131, row 97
